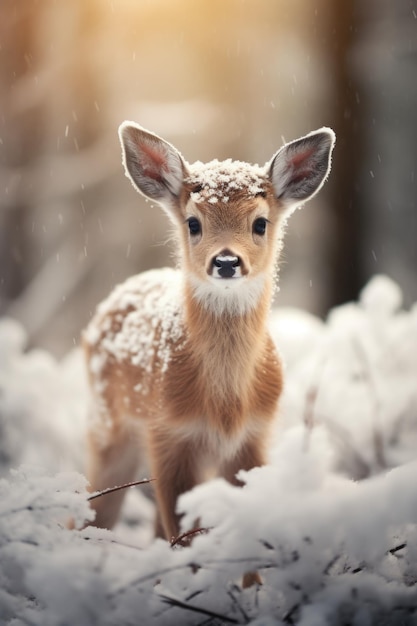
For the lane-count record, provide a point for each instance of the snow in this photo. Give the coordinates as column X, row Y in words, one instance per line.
column 150, row 327
column 331, row 522
column 217, row 181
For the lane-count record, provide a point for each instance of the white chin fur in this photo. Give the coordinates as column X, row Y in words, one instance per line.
column 235, row 296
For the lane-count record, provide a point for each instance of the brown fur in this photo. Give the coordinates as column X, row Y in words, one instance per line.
column 194, row 390
column 224, row 372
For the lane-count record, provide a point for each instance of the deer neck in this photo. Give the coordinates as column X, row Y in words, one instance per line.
column 227, row 345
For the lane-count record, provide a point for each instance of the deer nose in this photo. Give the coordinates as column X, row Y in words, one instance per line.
column 226, row 264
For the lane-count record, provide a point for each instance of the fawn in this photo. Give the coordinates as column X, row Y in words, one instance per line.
column 182, row 369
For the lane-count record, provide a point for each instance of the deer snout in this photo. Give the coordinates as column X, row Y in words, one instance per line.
column 226, row 265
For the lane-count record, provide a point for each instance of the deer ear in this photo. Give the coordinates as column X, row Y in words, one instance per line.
column 299, row 169
column 154, row 166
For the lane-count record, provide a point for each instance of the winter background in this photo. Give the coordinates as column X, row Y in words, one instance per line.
column 331, row 522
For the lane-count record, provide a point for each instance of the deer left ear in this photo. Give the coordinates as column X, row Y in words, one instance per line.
column 299, row 169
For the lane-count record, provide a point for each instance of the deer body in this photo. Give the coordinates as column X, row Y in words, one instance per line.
column 182, row 368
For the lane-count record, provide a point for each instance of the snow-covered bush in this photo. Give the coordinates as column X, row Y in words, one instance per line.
column 42, row 405
column 355, row 374
column 330, row 550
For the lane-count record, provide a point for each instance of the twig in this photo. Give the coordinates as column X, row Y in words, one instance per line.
column 195, row 594
column 135, row 583
column 189, row 534
column 266, row 544
column 330, row 564
column 256, row 560
column 183, row 605
column 105, row 492
column 397, row 548
column 116, row 542
column 237, row 603
column 192, row 565
column 288, row 617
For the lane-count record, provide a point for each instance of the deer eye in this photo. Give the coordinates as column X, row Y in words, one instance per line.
column 194, row 226
column 259, row 226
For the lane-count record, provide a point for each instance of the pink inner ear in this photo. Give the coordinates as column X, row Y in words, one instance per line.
column 152, row 162
column 300, row 157
column 301, row 175
column 302, row 167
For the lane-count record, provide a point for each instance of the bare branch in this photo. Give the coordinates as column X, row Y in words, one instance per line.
column 105, row 492
column 237, row 604
column 183, row 605
column 185, row 538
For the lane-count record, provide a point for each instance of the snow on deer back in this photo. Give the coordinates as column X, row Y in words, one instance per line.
column 186, row 353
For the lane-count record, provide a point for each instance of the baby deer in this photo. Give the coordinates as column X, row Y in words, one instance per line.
column 181, row 364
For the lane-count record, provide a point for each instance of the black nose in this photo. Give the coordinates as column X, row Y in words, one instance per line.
column 226, row 264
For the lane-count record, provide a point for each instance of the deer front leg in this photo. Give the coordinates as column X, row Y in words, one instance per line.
column 112, row 463
column 175, row 469
column 251, row 455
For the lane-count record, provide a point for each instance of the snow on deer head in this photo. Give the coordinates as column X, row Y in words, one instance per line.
column 230, row 214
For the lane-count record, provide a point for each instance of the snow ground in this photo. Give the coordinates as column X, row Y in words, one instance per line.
column 331, row 523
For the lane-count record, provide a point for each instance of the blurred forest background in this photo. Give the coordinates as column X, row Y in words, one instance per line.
column 218, row 79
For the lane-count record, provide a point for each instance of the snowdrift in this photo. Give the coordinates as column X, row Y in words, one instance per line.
column 331, row 522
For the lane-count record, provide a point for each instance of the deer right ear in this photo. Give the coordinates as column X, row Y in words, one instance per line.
column 154, row 166
column 299, row 169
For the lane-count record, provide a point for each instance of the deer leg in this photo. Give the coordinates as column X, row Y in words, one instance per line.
column 175, row 470
column 112, row 464
column 251, row 455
